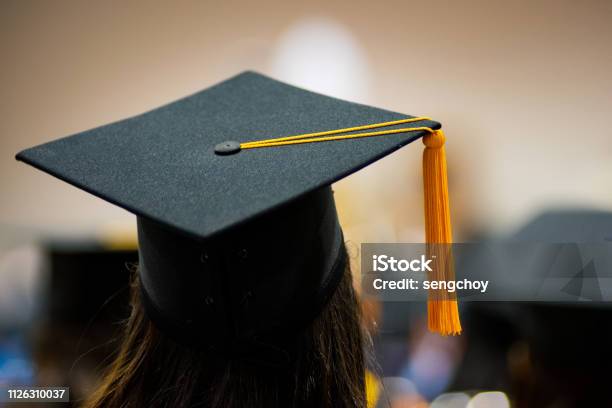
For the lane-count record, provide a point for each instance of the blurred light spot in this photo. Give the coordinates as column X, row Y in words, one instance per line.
column 119, row 235
column 431, row 365
column 451, row 400
column 399, row 385
column 402, row 393
column 491, row 399
column 322, row 55
column 20, row 274
column 15, row 363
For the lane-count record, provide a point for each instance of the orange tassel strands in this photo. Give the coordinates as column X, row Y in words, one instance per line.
column 443, row 311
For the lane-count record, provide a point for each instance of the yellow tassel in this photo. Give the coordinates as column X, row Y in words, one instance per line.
column 443, row 312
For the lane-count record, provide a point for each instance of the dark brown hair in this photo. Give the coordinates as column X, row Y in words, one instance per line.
column 151, row 370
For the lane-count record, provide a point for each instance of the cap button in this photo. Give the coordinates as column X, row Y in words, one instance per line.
column 227, row 147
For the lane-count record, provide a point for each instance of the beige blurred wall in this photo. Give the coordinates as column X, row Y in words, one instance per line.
column 524, row 90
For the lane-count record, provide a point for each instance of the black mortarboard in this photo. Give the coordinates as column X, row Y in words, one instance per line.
column 236, row 246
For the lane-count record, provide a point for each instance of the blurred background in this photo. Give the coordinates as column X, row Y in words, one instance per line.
column 523, row 89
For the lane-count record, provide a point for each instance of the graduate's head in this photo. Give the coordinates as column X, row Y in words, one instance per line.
column 262, row 314
column 326, row 368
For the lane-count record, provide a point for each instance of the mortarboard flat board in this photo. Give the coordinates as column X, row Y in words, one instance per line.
column 162, row 164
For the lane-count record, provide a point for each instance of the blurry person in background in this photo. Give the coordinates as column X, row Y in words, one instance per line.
column 85, row 298
column 553, row 351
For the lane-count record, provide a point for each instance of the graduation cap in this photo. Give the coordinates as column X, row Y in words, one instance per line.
column 238, row 232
